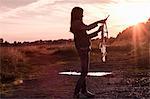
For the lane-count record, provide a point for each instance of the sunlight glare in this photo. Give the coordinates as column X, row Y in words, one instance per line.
column 132, row 14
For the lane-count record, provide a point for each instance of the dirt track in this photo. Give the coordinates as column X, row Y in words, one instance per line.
column 47, row 84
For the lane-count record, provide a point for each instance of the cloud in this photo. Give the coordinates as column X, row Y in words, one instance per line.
column 41, row 7
column 45, row 11
column 85, row 1
column 38, row 7
column 15, row 3
column 42, row 13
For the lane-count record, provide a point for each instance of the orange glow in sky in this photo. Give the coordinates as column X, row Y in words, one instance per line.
column 29, row 20
column 133, row 13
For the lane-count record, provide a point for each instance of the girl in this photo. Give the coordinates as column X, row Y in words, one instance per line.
column 83, row 46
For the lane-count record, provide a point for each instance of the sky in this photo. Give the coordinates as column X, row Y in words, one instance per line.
column 30, row 20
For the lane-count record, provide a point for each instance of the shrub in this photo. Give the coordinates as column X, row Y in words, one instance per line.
column 12, row 63
column 66, row 54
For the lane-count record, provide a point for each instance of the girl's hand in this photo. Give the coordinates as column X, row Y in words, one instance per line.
column 100, row 28
column 103, row 21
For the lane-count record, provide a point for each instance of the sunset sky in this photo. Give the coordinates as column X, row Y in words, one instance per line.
column 29, row 20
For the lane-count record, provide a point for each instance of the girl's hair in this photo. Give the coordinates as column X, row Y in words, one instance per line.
column 75, row 15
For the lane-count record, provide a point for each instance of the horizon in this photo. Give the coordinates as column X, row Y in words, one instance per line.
column 50, row 19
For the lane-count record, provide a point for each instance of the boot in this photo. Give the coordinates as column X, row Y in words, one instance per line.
column 76, row 96
column 88, row 94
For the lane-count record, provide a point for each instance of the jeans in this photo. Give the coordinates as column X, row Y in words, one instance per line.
column 84, row 58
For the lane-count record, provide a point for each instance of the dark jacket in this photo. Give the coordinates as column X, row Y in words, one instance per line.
column 81, row 38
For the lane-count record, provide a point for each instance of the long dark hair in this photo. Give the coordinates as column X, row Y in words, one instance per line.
column 75, row 15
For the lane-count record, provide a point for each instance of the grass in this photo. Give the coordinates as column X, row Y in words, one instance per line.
column 66, row 54
column 11, row 61
column 13, row 66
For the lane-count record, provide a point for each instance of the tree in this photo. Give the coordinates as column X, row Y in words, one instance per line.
column 148, row 20
column 1, row 40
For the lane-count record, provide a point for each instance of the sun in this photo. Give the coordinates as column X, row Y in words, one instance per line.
column 131, row 13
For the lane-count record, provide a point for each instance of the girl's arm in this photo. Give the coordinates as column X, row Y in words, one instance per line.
column 79, row 25
column 93, row 25
column 93, row 34
column 96, row 32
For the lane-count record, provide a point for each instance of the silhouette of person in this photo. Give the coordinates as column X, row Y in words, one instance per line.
column 83, row 46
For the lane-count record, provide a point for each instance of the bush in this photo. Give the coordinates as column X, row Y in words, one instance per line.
column 12, row 63
column 66, row 54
